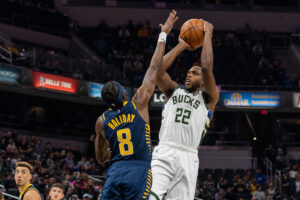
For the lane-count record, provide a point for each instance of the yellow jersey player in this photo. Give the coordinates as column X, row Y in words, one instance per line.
column 23, row 175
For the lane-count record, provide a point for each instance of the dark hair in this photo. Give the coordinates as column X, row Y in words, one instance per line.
column 112, row 93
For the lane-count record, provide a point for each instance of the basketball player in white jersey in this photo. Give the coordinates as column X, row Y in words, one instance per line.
column 185, row 118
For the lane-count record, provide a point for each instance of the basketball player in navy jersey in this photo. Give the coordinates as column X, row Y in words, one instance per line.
column 23, row 175
column 123, row 132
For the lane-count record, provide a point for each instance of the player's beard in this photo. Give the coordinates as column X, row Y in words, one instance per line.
column 195, row 87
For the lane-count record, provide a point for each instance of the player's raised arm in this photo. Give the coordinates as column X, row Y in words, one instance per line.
column 210, row 87
column 144, row 93
column 164, row 81
column 101, row 144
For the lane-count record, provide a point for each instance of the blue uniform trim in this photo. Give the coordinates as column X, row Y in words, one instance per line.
column 148, row 186
column 119, row 99
column 210, row 114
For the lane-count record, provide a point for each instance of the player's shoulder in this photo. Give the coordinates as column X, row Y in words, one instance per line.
column 99, row 126
column 32, row 193
column 179, row 88
column 106, row 115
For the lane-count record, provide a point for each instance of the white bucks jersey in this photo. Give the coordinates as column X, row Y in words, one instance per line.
column 185, row 119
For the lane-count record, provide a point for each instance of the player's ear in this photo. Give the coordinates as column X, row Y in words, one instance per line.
column 124, row 96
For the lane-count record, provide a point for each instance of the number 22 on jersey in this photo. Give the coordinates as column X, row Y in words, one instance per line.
column 182, row 115
column 125, row 142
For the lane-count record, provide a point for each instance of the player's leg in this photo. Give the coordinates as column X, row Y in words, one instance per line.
column 163, row 168
column 111, row 190
column 184, row 184
column 137, row 180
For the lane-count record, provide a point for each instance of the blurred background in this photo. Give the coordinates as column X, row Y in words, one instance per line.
column 56, row 55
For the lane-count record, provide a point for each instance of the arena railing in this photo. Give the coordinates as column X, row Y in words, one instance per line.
column 269, row 169
column 247, row 162
column 277, row 180
column 96, row 178
column 9, row 195
column 2, row 187
column 68, row 64
column 5, row 55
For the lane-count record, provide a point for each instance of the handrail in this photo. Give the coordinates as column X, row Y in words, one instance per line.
column 96, row 179
column 6, row 194
column 11, row 196
column 269, row 168
column 8, row 57
column 277, row 180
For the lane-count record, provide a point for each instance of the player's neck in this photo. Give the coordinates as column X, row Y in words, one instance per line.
column 21, row 188
column 195, row 90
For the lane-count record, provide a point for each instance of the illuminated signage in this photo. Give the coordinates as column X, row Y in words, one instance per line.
column 96, row 88
column 54, row 82
column 159, row 98
column 245, row 99
column 9, row 74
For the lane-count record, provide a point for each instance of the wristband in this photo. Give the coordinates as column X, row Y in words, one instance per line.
column 162, row 37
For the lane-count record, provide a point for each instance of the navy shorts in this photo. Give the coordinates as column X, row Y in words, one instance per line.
column 127, row 180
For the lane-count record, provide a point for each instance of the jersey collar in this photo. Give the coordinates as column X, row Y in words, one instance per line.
column 24, row 190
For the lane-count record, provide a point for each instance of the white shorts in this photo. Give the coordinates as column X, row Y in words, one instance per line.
column 174, row 172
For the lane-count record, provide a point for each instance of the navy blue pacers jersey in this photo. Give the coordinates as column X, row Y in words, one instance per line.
column 129, row 177
column 128, row 134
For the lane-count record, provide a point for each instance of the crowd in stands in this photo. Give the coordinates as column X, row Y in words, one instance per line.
column 55, row 61
column 241, row 58
column 241, row 184
column 68, row 166
column 71, row 167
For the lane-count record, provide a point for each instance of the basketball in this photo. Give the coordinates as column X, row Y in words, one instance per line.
column 192, row 32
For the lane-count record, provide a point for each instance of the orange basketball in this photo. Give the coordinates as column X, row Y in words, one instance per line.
column 192, row 32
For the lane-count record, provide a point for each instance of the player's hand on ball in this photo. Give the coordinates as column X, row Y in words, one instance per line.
column 187, row 46
column 167, row 27
column 208, row 27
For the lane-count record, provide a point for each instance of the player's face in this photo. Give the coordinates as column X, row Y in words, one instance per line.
column 22, row 176
column 193, row 80
column 56, row 193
